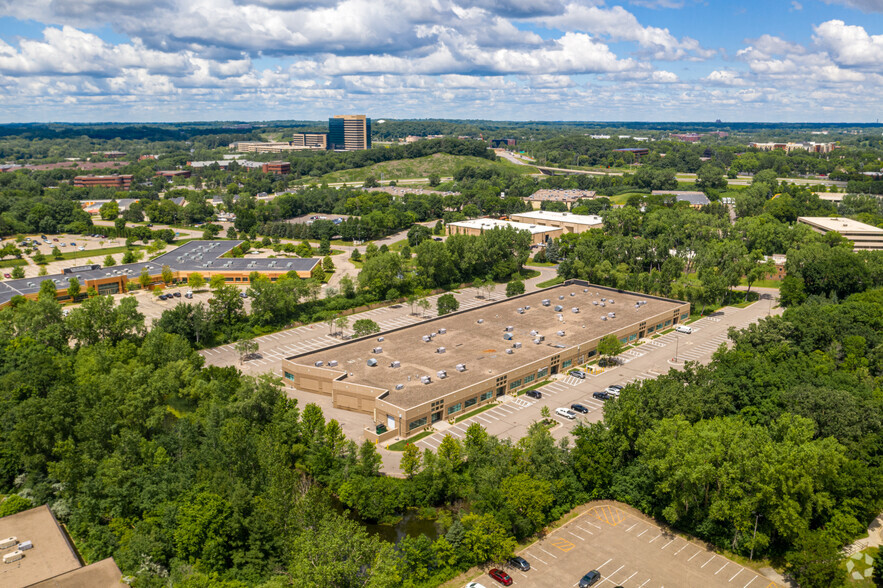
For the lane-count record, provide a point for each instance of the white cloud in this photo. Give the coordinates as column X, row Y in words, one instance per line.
column 725, row 77
column 864, row 5
column 850, row 45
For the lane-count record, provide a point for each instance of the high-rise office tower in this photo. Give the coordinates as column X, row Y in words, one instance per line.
column 349, row 132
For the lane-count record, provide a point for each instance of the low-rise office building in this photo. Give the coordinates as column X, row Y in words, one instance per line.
column 412, row 377
column 174, row 173
column 279, row 168
column 694, row 198
column 566, row 221
column 203, row 257
column 477, row 226
column 862, row 235
column 38, row 553
column 568, row 197
column 309, row 141
column 120, row 182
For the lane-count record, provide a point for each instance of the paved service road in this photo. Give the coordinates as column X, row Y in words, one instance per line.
column 629, row 550
column 513, row 416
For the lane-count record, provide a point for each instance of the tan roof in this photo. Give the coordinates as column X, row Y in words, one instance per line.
column 51, row 555
column 102, row 574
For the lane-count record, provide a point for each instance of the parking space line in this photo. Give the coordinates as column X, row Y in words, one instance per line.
column 629, row 578
column 644, row 531
column 538, row 559
column 632, row 527
column 604, row 564
column 584, row 530
column 642, row 585
column 753, row 578
column 736, row 574
column 667, row 544
column 722, row 568
column 577, row 536
column 655, row 538
column 708, row 562
column 694, row 555
column 547, row 553
column 682, row 548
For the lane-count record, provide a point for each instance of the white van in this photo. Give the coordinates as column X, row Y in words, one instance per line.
column 684, row 329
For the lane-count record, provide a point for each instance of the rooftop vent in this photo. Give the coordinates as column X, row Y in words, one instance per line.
column 480, row 321
column 395, row 364
column 25, row 545
column 332, row 363
column 603, row 317
column 509, row 328
column 560, row 333
column 509, row 352
column 561, row 297
column 546, row 302
column 595, row 302
column 526, row 307
column 573, row 293
column 611, row 314
column 507, row 336
column 319, row 364
column 575, row 310
column 440, row 350
column 559, row 308
column 460, row 367
column 442, row 374
column 8, row 542
column 520, row 311
column 537, row 341
column 426, row 379
column 380, row 339
column 399, row 386
column 377, row 350
column 516, row 345
column 442, row 331
column 372, row 362
column 534, row 332
column 426, row 338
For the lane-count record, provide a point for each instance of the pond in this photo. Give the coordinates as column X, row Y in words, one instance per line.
column 410, row 524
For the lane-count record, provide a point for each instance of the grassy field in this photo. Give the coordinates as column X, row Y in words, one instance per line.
column 549, row 283
column 441, row 163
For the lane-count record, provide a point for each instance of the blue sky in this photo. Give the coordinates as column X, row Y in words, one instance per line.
column 647, row 60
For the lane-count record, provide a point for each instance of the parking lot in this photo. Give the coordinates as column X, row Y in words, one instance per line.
column 513, row 416
column 629, row 550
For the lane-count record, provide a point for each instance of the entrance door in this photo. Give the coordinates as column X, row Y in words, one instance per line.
column 501, row 390
column 641, row 335
column 554, row 369
column 390, row 423
column 436, row 417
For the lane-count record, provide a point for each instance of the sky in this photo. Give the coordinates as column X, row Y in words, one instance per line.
column 596, row 60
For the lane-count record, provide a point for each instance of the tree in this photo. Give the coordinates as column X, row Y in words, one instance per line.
column 609, row 347
column 167, row 275
column 365, row 327
column 195, row 280
column 447, row 303
column 39, row 258
column 318, row 274
column 325, row 246
column 878, row 568
column 424, row 305
column 119, row 224
column 355, row 256
column 815, row 561
column 144, row 278
column 14, row 504
column 417, row 234
column 109, row 210
column 370, row 182
column 710, row 177
column 328, row 264
column 515, row 286
column 73, row 288
column 56, row 253
column 341, row 323
column 18, row 273
column 246, row 347
column 109, row 261
column 411, row 460
column 545, row 413
column 129, row 256
column 434, row 179
column 47, row 289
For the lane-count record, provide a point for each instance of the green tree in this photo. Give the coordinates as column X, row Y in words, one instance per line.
column 434, row 179
column 325, row 246
column 328, row 264
column 119, row 224
column 246, row 347
column 815, row 561
column 129, row 256
column 342, row 322
column 167, row 275
column 710, row 177
column 18, row 273
column 47, row 289
column 370, row 182
column 14, row 504
column 365, row 327
column 56, row 253
column 411, row 460
column 195, row 280
column 446, row 304
column 73, row 288
column 515, row 286
column 317, row 273
column 144, row 279
column 355, row 256
column 424, row 305
column 109, row 210
column 609, row 347
column 109, row 261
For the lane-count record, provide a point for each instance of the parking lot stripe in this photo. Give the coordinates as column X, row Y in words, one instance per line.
column 642, row 585
column 577, row 536
column 604, row 564
column 629, row 578
column 694, row 555
column 681, row 549
column 722, row 568
column 655, row 538
column 667, row 544
column 546, row 552
column 753, row 578
column 538, row 559
column 584, row 530
column 632, row 527
column 644, row 531
column 612, row 573
column 708, row 562
column 736, row 574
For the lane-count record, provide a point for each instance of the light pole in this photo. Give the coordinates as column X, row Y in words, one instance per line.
column 677, row 345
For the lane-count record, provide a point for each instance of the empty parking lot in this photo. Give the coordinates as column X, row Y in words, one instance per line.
column 628, row 550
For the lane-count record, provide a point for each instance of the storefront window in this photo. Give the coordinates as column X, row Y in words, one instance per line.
column 418, row 423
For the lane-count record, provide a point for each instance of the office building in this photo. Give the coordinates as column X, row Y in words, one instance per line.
column 566, row 221
column 174, row 173
column 280, row 168
column 694, row 198
column 789, row 147
column 477, row 226
column 121, row 182
column 568, row 197
column 38, row 553
column 863, row 236
column 349, row 132
column 413, row 377
column 309, row 141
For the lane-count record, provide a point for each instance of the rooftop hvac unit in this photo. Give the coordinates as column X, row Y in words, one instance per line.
column 440, row 350
column 560, row 333
column 509, row 352
column 442, row 374
column 507, row 336
column 509, row 328
column 520, row 311
column 399, row 386
column 561, row 297
column 380, row 339
column 534, row 332
column 541, row 338
column 611, row 314
column 25, row 545
column 559, row 308
column 377, row 350
column 526, row 307
column 426, row 379
column 603, row 318
column 603, row 300
column 442, row 331
column 517, row 345
column 395, row 364
column 480, row 321
column 426, row 338
column 318, row 364
column 575, row 310
column 546, row 302
column 8, row 542
column 585, row 289
column 372, row 362
column 460, row 367
column 432, row 335
column 595, row 302
column 14, row 556
column 332, row 363
column 610, row 301
column 603, row 305
column 573, row 293
column 537, row 341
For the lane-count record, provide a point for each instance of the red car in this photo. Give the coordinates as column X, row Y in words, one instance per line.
column 500, row 576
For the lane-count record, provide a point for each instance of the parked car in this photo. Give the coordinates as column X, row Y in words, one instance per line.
column 500, row 576
column 73, row 244
column 684, row 329
column 565, row 412
column 578, row 374
column 243, row 295
column 519, row 563
column 188, row 294
column 176, row 294
column 534, row 394
column 589, row 579
column 81, row 248
column 601, row 395
column 474, row 585
column 7, row 275
column 579, row 408
column 614, row 390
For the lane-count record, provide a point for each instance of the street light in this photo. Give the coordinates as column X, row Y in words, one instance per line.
column 677, row 345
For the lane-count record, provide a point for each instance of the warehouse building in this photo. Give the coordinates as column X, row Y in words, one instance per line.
column 566, row 221
column 477, row 226
column 863, row 236
column 37, row 552
column 568, row 196
column 412, row 377
column 203, row 257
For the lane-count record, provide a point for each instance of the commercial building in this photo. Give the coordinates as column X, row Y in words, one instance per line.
column 863, row 236
column 686, row 137
column 109, row 154
column 309, row 141
column 694, row 198
column 280, row 168
column 204, row 257
column 120, row 182
column 37, row 552
column 568, row 197
column 349, row 132
column 412, row 377
column 477, row 226
column 788, row 147
column 638, row 152
column 94, row 206
column 566, row 221
column 174, row 173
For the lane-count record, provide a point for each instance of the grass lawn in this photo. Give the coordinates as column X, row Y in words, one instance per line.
column 762, row 283
column 94, row 253
column 540, row 263
column 440, row 163
column 475, row 412
column 527, row 274
column 858, row 564
column 534, row 387
column 13, row 262
column 549, row 283
column 400, row 445
column 623, row 198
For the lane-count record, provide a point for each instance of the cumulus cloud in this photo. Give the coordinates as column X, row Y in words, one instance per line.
column 863, row 5
column 850, row 45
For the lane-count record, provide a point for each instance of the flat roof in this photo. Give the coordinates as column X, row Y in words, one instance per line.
column 487, row 224
column 561, row 194
column 840, row 224
column 193, row 256
column 580, row 219
column 51, row 555
column 481, row 346
column 104, row 573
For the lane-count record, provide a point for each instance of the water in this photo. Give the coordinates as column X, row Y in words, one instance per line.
column 410, row 525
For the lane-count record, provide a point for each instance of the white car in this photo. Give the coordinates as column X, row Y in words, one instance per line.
column 566, row 413
column 614, row 390
column 684, row 329
column 474, row 585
